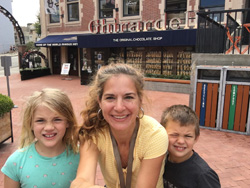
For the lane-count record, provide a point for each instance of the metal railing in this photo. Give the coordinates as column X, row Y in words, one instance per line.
column 225, row 31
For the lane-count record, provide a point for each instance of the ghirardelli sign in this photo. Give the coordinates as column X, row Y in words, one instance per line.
column 101, row 26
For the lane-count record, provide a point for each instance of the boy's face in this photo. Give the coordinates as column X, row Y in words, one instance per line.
column 181, row 141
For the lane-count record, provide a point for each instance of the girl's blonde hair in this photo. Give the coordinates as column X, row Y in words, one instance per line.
column 92, row 122
column 55, row 100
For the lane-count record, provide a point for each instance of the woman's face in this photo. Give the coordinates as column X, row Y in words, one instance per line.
column 120, row 102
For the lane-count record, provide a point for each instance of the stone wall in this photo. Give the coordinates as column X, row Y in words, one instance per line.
column 167, row 87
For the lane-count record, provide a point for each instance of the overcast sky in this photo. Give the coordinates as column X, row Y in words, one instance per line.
column 25, row 11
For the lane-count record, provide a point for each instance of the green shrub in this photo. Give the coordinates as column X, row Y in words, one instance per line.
column 6, row 104
column 181, row 77
column 31, row 69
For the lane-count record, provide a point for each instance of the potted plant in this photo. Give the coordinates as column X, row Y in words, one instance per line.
column 6, row 104
column 29, row 73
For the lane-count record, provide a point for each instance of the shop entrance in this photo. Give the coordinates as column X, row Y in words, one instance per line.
column 73, row 60
column 56, row 61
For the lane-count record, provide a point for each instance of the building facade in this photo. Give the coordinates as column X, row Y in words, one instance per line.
column 7, row 30
column 156, row 36
column 29, row 33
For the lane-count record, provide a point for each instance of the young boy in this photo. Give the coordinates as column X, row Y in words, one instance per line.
column 184, row 168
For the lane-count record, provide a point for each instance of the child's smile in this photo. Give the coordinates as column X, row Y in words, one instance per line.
column 181, row 141
column 49, row 128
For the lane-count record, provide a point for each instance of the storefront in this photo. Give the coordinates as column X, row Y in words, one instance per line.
column 61, row 48
column 154, row 52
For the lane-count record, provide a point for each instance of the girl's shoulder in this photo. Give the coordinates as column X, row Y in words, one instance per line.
column 24, row 151
column 20, row 155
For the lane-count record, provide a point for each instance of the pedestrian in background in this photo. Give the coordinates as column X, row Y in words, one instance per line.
column 47, row 156
column 116, row 133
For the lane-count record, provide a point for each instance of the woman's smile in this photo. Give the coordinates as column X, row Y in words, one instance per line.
column 120, row 102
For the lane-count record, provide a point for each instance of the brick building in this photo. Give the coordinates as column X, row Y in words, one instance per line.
column 157, row 36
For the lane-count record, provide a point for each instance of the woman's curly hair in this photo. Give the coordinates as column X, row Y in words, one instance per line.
column 92, row 122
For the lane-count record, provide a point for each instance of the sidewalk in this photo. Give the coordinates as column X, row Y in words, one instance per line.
column 227, row 153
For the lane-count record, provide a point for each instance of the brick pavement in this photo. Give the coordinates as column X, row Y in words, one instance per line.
column 227, row 153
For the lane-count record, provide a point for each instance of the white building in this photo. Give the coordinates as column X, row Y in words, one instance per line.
column 29, row 33
column 7, row 29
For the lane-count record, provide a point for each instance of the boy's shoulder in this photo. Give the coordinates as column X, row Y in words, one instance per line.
column 194, row 172
column 195, row 164
column 200, row 162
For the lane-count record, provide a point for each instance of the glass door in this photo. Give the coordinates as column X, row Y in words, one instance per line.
column 56, row 59
column 73, row 60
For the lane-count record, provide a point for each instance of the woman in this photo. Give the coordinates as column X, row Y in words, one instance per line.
column 129, row 145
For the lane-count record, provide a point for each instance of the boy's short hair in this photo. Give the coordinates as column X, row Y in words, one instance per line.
column 181, row 114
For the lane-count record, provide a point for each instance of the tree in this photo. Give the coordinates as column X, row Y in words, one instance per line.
column 38, row 25
column 30, row 46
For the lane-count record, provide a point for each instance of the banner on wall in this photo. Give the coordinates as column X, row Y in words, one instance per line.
column 50, row 6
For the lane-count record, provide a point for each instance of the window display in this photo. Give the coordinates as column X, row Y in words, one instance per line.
column 135, row 58
column 153, row 62
column 183, row 63
column 168, row 61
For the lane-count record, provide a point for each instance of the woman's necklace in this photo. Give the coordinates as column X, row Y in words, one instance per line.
column 130, row 158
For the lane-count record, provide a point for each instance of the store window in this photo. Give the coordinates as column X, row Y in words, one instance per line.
column 55, row 17
column 213, row 5
column 176, row 9
column 73, row 10
column 176, row 6
column 131, row 7
column 106, row 8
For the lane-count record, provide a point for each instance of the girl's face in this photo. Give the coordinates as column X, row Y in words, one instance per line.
column 49, row 129
column 120, row 102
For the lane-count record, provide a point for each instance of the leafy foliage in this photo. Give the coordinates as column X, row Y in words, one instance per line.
column 6, row 104
column 32, row 69
column 30, row 46
column 181, row 77
column 38, row 25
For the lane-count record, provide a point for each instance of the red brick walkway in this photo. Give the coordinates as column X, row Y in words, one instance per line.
column 227, row 153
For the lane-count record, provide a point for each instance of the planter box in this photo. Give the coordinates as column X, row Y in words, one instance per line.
column 29, row 74
column 5, row 127
column 168, row 85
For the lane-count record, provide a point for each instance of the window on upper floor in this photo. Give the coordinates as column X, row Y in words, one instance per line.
column 73, row 10
column 213, row 5
column 131, row 7
column 106, row 8
column 176, row 9
column 55, row 18
column 176, row 5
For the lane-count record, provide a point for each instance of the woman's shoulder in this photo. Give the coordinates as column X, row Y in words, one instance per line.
column 100, row 138
column 150, row 127
column 149, row 122
column 152, row 138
